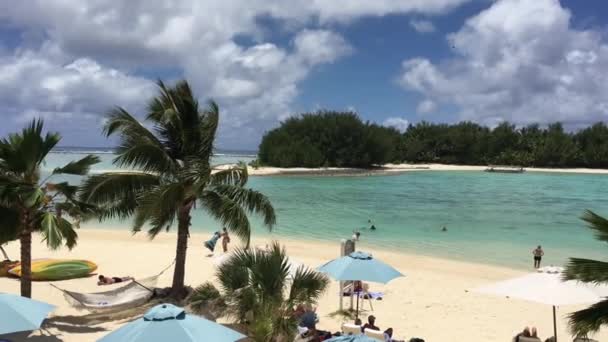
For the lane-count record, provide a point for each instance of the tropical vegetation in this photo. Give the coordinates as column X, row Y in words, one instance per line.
column 30, row 203
column 341, row 139
column 590, row 271
column 170, row 161
column 261, row 290
column 328, row 138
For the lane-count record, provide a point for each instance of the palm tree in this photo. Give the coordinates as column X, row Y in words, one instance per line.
column 257, row 284
column 590, row 271
column 172, row 173
column 29, row 204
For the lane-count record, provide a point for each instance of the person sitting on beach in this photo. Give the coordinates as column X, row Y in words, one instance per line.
column 371, row 324
column 388, row 336
column 534, row 333
column 529, row 333
column 538, row 255
column 103, row 280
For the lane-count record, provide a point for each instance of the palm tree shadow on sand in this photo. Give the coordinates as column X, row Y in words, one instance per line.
column 25, row 336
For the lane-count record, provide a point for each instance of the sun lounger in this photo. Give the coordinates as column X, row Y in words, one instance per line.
column 375, row 334
column 351, row 329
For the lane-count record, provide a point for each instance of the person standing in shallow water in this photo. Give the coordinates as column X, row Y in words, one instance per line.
column 538, row 255
column 225, row 239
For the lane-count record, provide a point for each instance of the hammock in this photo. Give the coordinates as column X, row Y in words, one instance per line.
column 133, row 294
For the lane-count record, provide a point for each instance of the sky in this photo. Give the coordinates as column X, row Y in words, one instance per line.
column 394, row 62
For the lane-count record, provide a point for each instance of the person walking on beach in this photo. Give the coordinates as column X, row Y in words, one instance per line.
column 538, row 255
column 225, row 239
column 210, row 244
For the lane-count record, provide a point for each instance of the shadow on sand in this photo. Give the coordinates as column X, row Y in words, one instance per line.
column 25, row 336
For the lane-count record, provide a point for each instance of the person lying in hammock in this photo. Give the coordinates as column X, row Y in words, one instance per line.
column 103, row 280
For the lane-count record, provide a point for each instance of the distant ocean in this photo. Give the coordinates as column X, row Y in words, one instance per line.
column 491, row 217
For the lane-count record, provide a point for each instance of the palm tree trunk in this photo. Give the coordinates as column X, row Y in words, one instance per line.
column 183, row 225
column 4, row 254
column 26, row 263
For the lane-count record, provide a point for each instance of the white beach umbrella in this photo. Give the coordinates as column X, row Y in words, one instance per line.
column 547, row 287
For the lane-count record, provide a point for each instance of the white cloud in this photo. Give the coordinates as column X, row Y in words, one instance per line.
column 426, row 106
column 255, row 84
column 520, row 61
column 396, row 122
column 423, row 26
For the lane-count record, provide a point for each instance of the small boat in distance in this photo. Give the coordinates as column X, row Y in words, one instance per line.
column 505, row 169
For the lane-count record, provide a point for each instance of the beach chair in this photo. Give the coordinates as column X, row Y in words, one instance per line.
column 374, row 334
column 351, row 329
column 529, row 339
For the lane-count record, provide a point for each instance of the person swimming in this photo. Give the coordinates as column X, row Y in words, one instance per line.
column 372, row 226
column 444, row 229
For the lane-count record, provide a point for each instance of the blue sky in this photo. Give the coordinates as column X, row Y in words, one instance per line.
column 393, row 61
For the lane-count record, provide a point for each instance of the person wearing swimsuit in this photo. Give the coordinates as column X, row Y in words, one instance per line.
column 225, row 240
column 538, row 255
column 103, row 280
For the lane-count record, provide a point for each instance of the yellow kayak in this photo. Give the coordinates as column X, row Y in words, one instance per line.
column 57, row 269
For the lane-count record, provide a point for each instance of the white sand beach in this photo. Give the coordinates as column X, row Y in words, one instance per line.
column 431, row 302
column 400, row 168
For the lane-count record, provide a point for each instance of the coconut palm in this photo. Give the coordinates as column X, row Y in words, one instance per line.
column 590, row 271
column 257, row 284
column 29, row 204
column 172, row 173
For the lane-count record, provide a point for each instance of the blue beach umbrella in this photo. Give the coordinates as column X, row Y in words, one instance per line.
column 167, row 322
column 21, row 314
column 352, row 338
column 359, row 266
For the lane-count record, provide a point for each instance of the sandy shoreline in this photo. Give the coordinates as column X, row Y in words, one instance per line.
column 398, row 168
column 432, row 301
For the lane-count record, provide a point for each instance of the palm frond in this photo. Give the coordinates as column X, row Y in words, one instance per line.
column 159, row 206
column 227, row 212
column 139, row 148
column 145, row 156
column 307, row 285
column 255, row 202
column 116, row 194
column 57, row 231
column 586, row 270
column 589, row 320
column 234, row 175
column 9, row 224
column 596, row 223
column 208, row 128
column 80, row 167
column 23, row 153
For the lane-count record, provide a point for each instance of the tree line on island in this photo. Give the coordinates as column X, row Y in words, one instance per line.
column 342, row 139
column 172, row 175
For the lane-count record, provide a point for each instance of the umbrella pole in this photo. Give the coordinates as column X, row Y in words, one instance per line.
column 357, row 311
column 554, row 324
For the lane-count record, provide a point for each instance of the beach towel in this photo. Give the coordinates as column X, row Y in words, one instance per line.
column 210, row 244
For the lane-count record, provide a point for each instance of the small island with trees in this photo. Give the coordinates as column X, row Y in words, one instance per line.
column 332, row 139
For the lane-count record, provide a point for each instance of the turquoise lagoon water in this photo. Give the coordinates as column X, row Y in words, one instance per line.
column 491, row 218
